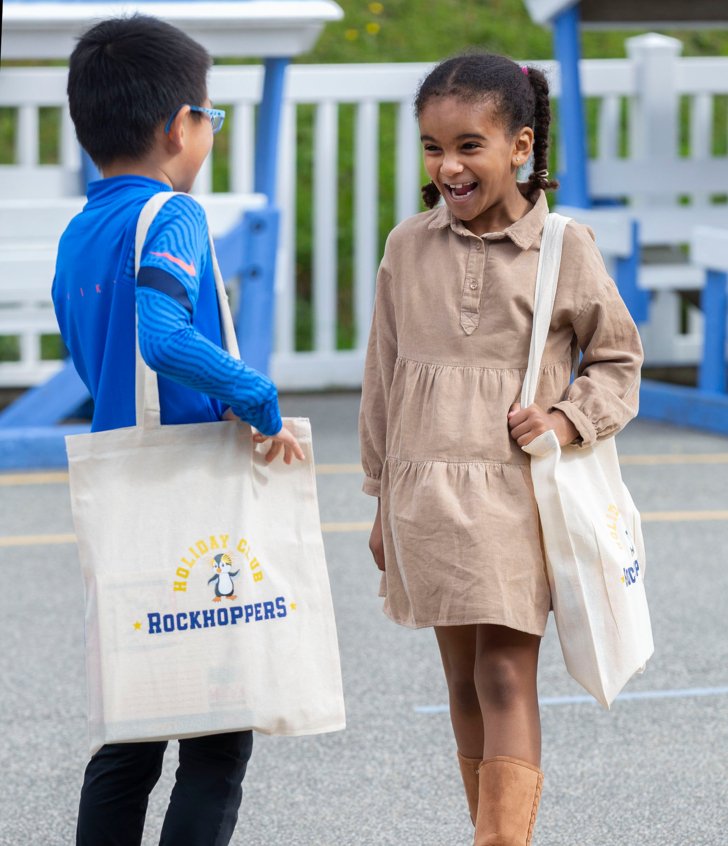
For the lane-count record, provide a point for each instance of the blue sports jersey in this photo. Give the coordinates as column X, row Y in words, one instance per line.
column 94, row 294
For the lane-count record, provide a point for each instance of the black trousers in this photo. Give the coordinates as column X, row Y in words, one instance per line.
column 203, row 807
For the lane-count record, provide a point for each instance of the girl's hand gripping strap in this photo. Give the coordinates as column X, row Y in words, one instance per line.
column 146, row 384
column 547, row 277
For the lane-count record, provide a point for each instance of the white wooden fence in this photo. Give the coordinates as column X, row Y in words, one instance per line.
column 672, row 184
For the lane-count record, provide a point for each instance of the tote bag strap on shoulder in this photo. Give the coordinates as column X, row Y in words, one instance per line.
column 146, row 385
column 547, row 277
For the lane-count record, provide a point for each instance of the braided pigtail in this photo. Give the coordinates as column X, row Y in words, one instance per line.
column 430, row 195
column 539, row 178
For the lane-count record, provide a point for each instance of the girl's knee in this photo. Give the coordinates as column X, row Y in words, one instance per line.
column 501, row 681
column 463, row 694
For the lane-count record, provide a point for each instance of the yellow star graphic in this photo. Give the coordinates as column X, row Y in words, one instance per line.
column 293, row 606
column 137, row 625
column 622, row 579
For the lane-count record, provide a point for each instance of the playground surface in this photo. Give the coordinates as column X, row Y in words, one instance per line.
column 652, row 772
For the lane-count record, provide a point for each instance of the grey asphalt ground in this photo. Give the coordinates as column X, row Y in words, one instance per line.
column 652, row 772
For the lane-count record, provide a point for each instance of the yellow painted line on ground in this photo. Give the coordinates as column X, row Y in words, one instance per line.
column 10, row 479
column 682, row 516
column 336, row 469
column 672, row 458
column 57, row 540
column 366, row 525
column 36, row 540
column 647, row 517
column 363, row 526
column 54, row 478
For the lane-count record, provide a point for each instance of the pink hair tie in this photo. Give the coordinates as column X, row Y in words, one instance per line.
column 524, row 69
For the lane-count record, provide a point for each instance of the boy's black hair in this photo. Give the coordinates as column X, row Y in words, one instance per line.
column 126, row 76
column 520, row 97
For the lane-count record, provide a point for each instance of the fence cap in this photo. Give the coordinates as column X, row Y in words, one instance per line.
column 709, row 247
column 235, row 28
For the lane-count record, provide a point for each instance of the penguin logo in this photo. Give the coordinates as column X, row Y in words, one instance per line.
column 223, row 578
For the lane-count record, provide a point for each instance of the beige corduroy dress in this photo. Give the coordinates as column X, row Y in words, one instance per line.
column 446, row 359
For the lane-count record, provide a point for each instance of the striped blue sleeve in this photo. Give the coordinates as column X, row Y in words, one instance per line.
column 171, row 345
column 177, row 244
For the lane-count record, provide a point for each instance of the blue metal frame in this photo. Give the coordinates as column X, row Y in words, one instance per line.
column 574, row 190
column 49, row 403
column 260, row 229
column 267, row 135
column 704, row 407
column 714, row 305
column 684, row 406
column 636, row 299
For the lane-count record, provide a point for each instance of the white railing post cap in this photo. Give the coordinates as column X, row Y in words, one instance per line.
column 544, row 11
column 651, row 43
column 709, row 247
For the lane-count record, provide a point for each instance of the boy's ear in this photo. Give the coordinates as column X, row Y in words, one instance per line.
column 175, row 137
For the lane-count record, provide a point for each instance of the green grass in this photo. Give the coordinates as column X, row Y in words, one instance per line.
column 395, row 31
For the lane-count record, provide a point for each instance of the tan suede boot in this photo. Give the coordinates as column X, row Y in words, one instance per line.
column 509, row 793
column 469, row 772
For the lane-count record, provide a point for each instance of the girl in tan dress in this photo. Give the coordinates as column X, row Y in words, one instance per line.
column 457, row 532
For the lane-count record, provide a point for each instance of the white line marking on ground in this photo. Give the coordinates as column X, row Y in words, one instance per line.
column 584, row 699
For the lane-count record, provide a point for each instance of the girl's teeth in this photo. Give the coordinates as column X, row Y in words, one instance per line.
column 462, row 190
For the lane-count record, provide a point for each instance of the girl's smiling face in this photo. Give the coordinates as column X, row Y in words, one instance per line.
column 473, row 161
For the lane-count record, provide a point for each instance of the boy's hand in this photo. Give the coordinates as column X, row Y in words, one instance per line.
column 285, row 441
column 526, row 424
column 376, row 544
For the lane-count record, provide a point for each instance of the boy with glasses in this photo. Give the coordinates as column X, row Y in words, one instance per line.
column 137, row 90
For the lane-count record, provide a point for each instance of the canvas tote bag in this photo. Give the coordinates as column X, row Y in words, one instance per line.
column 208, row 607
column 591, row 530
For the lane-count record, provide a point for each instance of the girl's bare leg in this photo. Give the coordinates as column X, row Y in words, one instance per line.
column 458, row 646
column 506, row 663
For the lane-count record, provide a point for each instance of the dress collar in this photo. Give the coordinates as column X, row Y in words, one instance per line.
column 524, row 232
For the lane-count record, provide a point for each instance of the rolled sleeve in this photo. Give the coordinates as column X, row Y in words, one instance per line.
column 604, row 397
column 371, row 486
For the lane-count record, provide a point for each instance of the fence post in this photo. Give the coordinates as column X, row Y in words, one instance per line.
column 654, row 110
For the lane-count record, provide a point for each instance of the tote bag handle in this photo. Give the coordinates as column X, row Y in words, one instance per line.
column 146, row 382
column 547, row 278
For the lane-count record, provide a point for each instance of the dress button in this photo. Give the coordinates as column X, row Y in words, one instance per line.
column 473, row 286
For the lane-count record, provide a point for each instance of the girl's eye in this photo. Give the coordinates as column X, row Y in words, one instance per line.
column 431, row 148
column 470, row 145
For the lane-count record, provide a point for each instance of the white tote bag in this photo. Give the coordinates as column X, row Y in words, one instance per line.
column 208, row 607
column 591, row 529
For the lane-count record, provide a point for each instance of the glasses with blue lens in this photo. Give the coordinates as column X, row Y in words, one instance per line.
column 217, row 116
